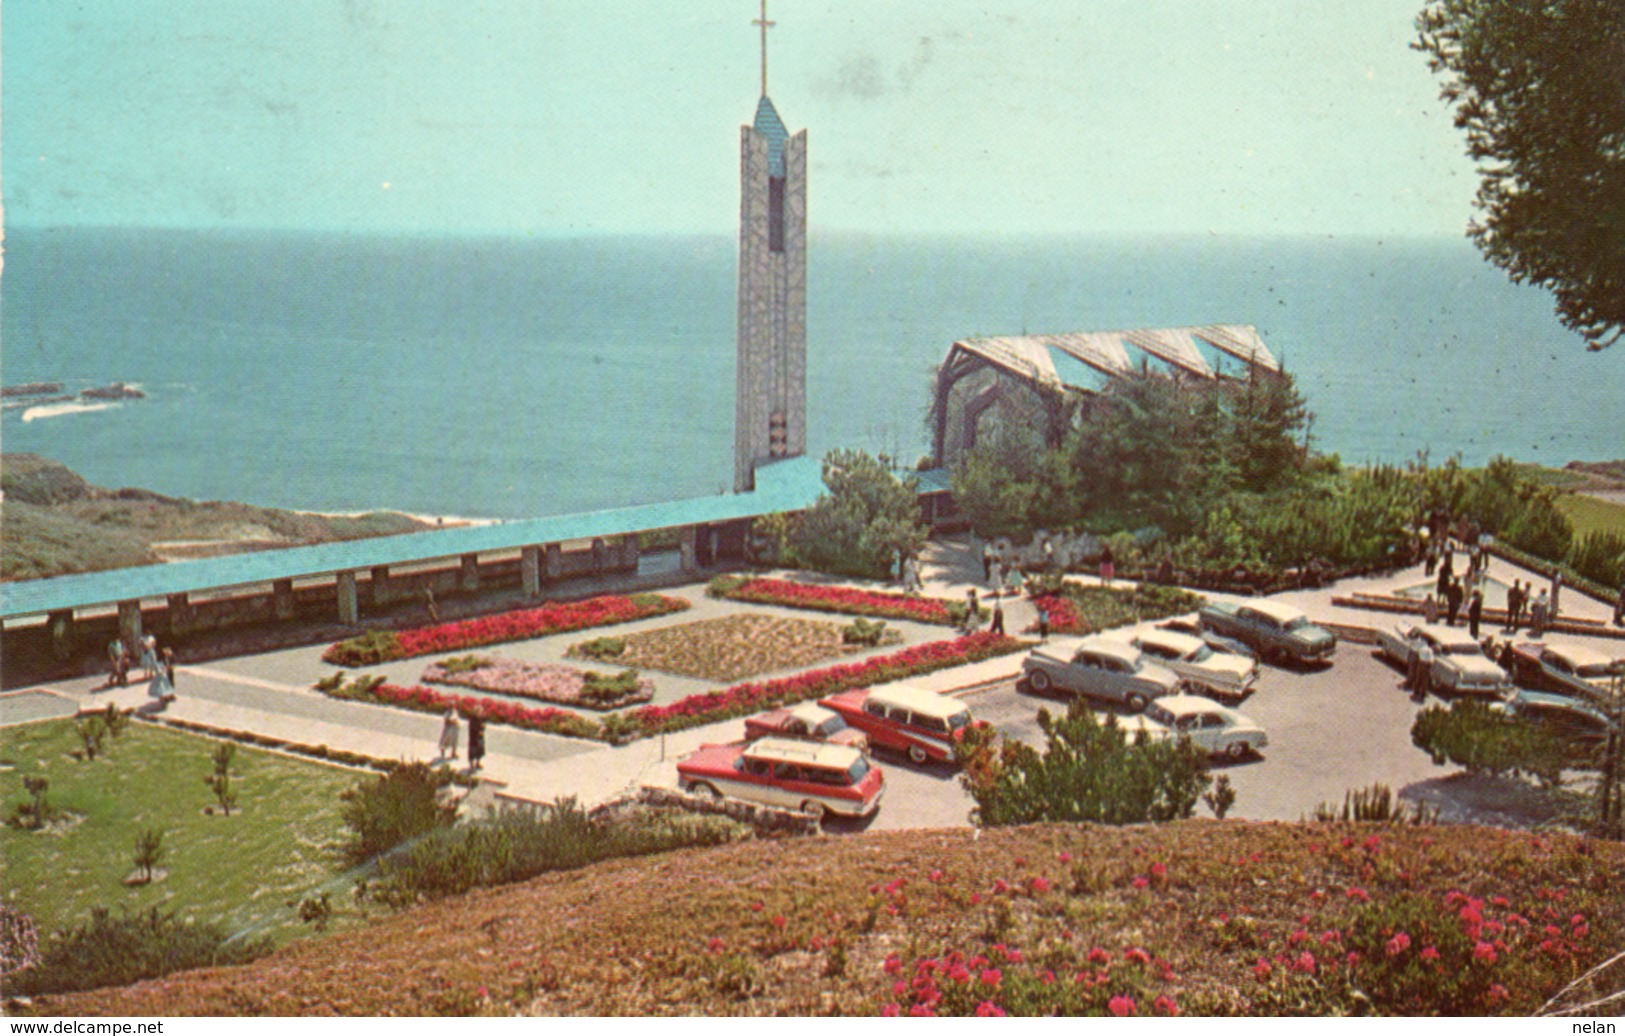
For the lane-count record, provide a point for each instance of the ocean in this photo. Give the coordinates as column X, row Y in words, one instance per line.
column 520, row 377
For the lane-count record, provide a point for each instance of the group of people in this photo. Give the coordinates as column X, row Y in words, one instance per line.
column 1542, row 608
column 158, row 667
column 450, row 730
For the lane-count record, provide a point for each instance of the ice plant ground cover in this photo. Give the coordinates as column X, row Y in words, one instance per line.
column 387, row 646
column 844, row 600
column 559, row 684
column 696, row 709
column 732, row 647
column 1198, row 917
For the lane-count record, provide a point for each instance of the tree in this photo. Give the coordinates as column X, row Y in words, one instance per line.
column 149, row 851
column 1090, row 770
column 402, row 804
column 1540, row 91
column 864, row 523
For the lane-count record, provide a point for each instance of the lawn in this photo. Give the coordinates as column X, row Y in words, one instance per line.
column 735, row 647
column 1588, row 514
column 240, row 870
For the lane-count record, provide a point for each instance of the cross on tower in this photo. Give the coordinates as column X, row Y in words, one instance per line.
column 766, row 25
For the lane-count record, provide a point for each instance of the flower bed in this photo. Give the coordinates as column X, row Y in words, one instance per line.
column 733, row 647
column 380, row 646
column 746, row 698
column 1085, row 609
column 559, row 684
column 846, row 601
column 696, row 709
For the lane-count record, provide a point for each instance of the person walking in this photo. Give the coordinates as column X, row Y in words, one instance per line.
column 911, row 575
column 997, row 626
column 1043, row 623
column 1446, row 573
column 1475, row 612
column 1430, row 553
column 1421, row 675
column 1108, row 565
column 429, row 605
column 1430, row 610
column 987, row 561
column 1537, row 614
column 1552, row 607
column 169, row 666
column 1014, row 577
column 476, row 740
column 1514, row 606
column 449, row 730
column 149, row 656
column 120, row 663
column 973, row 611
column 995, row 578
column 1453, row 596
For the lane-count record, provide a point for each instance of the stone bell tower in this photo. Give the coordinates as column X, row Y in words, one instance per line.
column 770, row 417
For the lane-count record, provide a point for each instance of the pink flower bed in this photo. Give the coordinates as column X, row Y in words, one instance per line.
column 745, row 698
column 561, row 684
column 496, row 629
column 1063, row 615
column 548, row 720
column 844, row 600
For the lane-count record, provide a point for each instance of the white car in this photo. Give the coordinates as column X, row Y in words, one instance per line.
column 1200, row 668
column 1459, row 663
column 1210, row 726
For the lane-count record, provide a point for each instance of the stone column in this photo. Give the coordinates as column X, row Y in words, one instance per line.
column 129, row 626
column 530, row 571
column 61, row 626
column 688, row 540
column 553, row 561
column 282, row 601
column 468, row 578
column 600, row 553
column 180, row 614
column 349, row 607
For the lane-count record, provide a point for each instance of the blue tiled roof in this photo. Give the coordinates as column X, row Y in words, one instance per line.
column 769, row 125
column 787, row 485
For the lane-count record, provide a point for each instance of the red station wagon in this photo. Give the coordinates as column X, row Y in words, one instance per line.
column 806, row 722
column 922, row 724
column 814, row 778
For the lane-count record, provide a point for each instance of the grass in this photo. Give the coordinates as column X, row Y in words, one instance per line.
column 807, row 926
column 1588, row 514
column 734, row 647
column 239, row 869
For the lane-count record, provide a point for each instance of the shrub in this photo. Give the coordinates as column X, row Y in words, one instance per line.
column 92, row 731
column 371, row 648
column 1471, row 734
column 19, row 941
column 1089, row 771
column 603, row 648
column 517, row 844
column 33, row 814
column 219, row 781
column 1600, row 557
column 149, row 851
column 602, row 689
column 401, row 804
column 465, row 663
column 863, row 632
column 1375, row 804
column 116, row 951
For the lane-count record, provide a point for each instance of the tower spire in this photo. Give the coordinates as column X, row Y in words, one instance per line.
column 766, row 25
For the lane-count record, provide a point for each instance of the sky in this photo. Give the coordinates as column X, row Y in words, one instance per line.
column 573, row 117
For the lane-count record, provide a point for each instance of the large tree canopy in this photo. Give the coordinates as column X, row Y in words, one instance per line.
column 1539, row 89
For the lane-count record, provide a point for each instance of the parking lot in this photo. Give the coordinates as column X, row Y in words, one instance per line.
column 1347, row 726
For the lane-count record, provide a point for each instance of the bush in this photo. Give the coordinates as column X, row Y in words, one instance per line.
column 109, row 951
column 149, row 851
column 401, row 804
column 465, row 663
column 517, row 844
column 1089, row 771
column 863, row 632
column 603, row 648
column 1375, row 804
column 1471, row 734
column 600, row 689
column 371, row 648
column 1600, row 557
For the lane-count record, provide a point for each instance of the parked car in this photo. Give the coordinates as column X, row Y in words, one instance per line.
column 1191, row 626
column 1278, row 632
column 1098, row 667
column 1580, row 671
column 924, row 725
column 1570, row 716
column 1210, row 726
column 1459, row 663
column 1202, row 669
column 814, row 778
column 805, row 722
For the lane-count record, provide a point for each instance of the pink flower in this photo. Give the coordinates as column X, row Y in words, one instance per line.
column 1262, row 969
column 989, row 1009
column 715, row 945
column 1305, row 963
column 1039, row 886
column 1065, row 857
column 1580, row 931
column 890, row 1011
column 992, row 977
column 1142, row 882
column 1398, row 944
column 937, row 876
column 1496, row 994
column 893, row 964
column 1121, row 1006
column 1099, row 956
column 921, row 1011
column 1372, row 843
column 1137, row 956
column 1359, row 895
column 1159, row 870
column 779, row 922
column 1429, row 953
column 1484, row 952
column 1165, row 1005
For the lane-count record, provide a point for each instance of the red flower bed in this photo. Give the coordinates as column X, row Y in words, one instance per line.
column 1063, row 615
column 496, row 629
column 547, row 720
column 842, row 599
column 745, row 698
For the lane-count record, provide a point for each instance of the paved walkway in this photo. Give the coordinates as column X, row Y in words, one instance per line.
column 270, row 694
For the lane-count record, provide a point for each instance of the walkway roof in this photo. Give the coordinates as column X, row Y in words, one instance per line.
column 1030, row 356
column 787, row 485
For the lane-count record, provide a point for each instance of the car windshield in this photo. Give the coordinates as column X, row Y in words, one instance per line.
column 1462, row 649
column 1295, row 624
column 829, row 727
column 959, row 720
column 1596, row 670
column 1201, row 654
column 858, row 769
column 1158, row 714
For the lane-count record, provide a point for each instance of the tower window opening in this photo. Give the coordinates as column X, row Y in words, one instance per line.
column 775, row 214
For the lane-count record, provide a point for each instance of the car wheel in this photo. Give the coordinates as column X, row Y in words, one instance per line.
column 814, row 809
column 1039, row 681
column 1237, row 750
column 708, row 790
column 917, row 755
column 1135, row 702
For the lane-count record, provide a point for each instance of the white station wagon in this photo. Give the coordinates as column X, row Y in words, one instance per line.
column 1459, row 663
column 1201, row 669
column 1209, row 725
